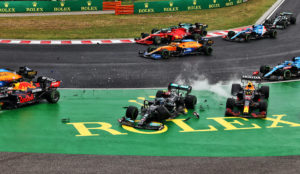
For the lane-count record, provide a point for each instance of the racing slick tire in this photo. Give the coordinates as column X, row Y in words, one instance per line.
column 247, row 37
column 132, row 112
column 230, row 103
column 264, row 69
column 273, row 34
column 265, row 90
column 293, row 20
column 52, row 96
column 143, row 35
column 196, row 37
column 231, row 34
column 159, row 94
column 235, row 89
column 190, row 101
column 163, row 113
column 284, row 25
column 263, row 106
column 154, row 30
column 157, row 40
column 207, row 50
column 151, row 48
column 287, row 74
column 203, row 33
column 165, row 54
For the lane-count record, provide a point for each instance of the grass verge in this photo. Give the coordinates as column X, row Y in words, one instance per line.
column 127, row 26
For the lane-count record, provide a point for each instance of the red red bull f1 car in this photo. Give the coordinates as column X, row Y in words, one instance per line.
column 251, row 101
column 20, row 88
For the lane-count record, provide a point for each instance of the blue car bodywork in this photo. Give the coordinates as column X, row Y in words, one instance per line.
column 256, row 32
column 288, row 70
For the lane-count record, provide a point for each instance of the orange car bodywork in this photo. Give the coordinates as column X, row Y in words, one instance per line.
column 173, row 46
column 9, row 76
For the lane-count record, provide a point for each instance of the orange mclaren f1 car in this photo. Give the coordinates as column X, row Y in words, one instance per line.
column 181, row 48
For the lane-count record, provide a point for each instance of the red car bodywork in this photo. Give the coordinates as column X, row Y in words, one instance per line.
column 176, row 33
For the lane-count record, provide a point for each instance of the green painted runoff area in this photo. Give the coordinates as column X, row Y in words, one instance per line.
column 39, row 128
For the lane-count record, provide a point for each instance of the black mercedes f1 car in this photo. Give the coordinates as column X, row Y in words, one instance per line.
column 167, row 104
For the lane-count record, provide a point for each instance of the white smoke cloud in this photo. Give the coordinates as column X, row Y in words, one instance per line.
column 201, row 83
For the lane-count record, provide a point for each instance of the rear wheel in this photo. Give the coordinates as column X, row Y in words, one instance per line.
column 165, row 54
column 132, row 112
column 197, row 37
column 52, row 96
column 207, row 50
column 287, row 75
column 190, row 101
column 293, row 20
column 235, row 89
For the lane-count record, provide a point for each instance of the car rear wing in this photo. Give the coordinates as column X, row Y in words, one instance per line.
column 180, row 87
column 252, row 78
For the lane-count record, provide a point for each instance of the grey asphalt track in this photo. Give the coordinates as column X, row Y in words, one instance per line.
column 110, row 66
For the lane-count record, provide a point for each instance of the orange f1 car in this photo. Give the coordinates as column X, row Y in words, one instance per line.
column 20, row 88
column 182, row 48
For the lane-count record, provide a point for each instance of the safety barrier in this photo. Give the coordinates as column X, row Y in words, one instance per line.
column 49, row 6
column 111, row 5
column 182, row 5
column 124, row 9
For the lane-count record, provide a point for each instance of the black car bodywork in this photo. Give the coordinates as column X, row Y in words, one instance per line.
column 166, row 105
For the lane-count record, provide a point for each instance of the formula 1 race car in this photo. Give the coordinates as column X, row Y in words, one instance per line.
column 193, row 29
column 281, row 21
column 19, row 88
column 286, row 71
column 182, row 48
column 166, row 105
column 256, row 32
column 251, row 101
column 167, row 35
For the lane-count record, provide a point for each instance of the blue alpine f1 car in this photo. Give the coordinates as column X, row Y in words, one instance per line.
column 256, row 32
column 286, row 71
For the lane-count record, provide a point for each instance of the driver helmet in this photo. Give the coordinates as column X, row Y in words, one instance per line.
column 249, row 86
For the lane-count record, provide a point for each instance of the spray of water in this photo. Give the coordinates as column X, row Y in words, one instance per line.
column 201, row 83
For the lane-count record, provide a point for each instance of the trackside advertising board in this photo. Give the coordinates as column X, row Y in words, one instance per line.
column 181, row 5
column 49, row 6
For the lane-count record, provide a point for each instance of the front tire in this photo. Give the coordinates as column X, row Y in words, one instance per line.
column 287, row 74
column 165, row 54
column 265, row 90
column 132, row 112
column 52, row 96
